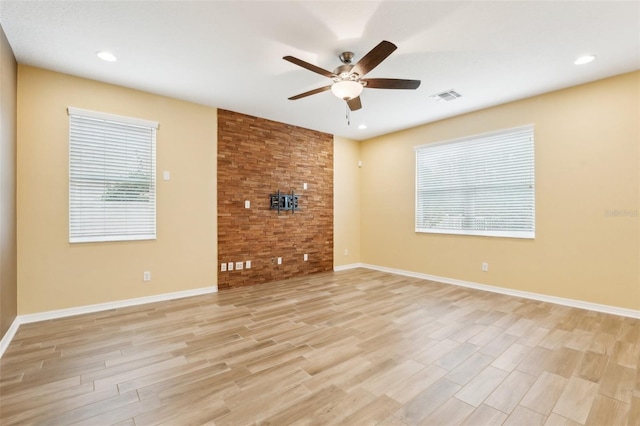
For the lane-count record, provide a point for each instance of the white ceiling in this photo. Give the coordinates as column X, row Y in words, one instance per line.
column 228, row 54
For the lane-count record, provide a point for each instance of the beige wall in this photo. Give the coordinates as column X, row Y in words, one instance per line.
column 8, row 261
column 346, row 201
column 54, row 274
column 587, row 162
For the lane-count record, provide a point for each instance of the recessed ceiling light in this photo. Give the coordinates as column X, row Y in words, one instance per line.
column 107, row 56
column 584, row 59
column 362, row 126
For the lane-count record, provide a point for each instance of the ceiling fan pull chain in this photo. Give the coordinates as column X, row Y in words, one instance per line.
column 348, row 116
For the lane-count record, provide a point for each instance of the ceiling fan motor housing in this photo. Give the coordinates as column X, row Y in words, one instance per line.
column 343, row 72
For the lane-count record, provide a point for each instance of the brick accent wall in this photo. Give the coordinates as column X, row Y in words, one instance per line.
column 256, row 157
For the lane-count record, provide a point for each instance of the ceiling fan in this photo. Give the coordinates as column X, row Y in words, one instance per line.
column 347, row 78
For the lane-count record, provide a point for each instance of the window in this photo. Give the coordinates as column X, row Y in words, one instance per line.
column 479, row 185
column 112, row 168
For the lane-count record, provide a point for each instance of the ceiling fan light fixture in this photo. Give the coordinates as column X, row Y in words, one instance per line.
column 346, row 89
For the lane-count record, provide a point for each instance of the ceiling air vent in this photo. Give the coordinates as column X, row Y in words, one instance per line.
column 449, row 95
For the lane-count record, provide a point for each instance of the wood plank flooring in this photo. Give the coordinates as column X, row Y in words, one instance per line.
column 357, row 347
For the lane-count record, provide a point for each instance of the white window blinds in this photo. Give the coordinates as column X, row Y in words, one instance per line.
column 480, row 185
column 112, row 168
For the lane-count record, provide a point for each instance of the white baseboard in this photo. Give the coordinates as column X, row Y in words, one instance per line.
column 347, row 267
column 62, row 313
column 607, row 309
column 8, row 336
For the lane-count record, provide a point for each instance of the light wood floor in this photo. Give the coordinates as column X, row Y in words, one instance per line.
column 357, row 347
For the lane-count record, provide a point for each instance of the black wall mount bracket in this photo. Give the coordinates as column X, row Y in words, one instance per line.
column 282, row 201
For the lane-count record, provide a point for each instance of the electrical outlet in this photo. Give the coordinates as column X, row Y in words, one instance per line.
column 485, row 266
column 306, row 257
column 247, row 264
column 239, row 266
column 346, row 252
column 223, row 267
column 279, row 261
column 146, row 276
column 247, row 204
column 230, row 266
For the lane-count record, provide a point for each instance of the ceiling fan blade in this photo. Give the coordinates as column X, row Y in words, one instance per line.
column 309, row 66
column 354, row 104
column 391, row 83
column 374, row 57
column 310, row 92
